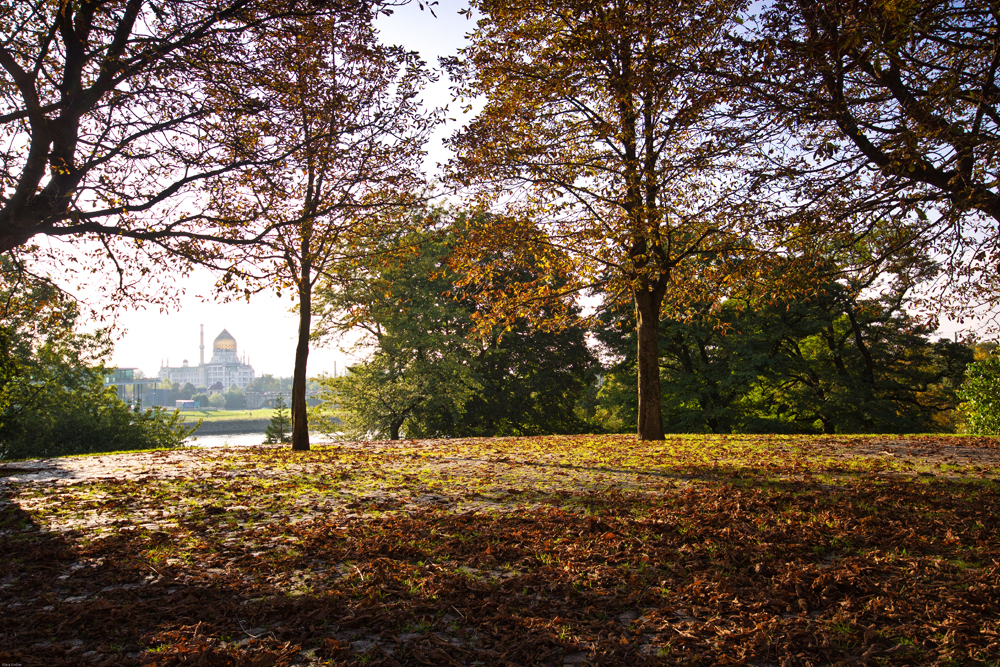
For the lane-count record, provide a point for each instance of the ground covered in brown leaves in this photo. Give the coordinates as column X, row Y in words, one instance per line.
column 590, row 550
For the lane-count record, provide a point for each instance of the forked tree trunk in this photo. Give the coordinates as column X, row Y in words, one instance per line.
column 300, row 422
column 394, row 429
column 647, row 315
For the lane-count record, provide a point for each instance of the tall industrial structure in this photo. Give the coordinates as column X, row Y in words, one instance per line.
column 224, row 370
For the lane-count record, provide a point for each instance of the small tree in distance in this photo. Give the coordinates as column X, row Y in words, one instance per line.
column 235, row 399
column 278, row 430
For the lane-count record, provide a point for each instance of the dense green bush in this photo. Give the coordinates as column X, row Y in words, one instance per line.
column 235, row 399
column 84, row 418
column 980, row 394
column 52, row 396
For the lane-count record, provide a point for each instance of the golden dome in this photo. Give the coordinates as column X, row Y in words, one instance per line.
column 224, row 341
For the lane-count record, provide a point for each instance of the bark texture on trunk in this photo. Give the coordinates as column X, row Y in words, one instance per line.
column 300, row 422
column 647, row 314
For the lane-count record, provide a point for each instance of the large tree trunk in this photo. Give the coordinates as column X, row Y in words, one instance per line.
column 300, row 422
column 647, row 314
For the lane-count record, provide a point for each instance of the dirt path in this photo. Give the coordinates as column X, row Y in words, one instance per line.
column 186, row 463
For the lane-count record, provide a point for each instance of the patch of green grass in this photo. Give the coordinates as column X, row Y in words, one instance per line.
column 210, row 415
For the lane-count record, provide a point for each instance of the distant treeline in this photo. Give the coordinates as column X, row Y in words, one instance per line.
column 826, row 360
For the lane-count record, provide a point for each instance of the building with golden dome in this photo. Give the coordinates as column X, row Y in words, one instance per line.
column 224, row 370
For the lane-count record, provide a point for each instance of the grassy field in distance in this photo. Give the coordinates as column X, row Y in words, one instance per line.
column 211, row 415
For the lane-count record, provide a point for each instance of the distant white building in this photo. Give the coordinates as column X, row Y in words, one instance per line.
column 223, row 371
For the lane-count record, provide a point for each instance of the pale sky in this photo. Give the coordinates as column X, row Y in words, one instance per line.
column 265, row 328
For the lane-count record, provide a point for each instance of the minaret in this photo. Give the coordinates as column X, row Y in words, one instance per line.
column 202, row 379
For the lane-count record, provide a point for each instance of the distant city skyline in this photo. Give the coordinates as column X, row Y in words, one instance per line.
column 265, row 327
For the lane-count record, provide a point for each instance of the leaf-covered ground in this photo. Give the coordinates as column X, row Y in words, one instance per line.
column 754, row 550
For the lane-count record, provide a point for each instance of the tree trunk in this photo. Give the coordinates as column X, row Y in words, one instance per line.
column 300, row 422
column 828, row 427
column 394, row 429
column 647, row 315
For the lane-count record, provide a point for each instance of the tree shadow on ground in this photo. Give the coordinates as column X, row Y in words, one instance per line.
column 772, row 573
